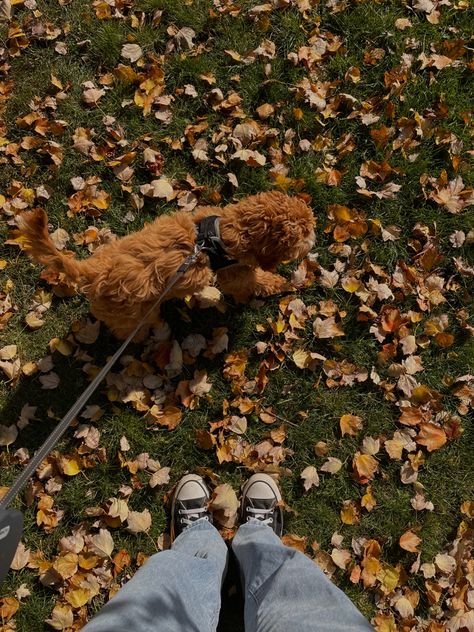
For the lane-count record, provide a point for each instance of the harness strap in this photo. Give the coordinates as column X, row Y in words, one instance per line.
column 209, row 239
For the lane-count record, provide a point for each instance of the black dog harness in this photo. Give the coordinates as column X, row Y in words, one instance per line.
column 209, row 239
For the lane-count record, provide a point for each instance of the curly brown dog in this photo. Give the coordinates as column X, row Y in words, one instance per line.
column 123, row 279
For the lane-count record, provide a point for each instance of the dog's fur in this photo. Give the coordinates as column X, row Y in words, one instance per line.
column 123, row 278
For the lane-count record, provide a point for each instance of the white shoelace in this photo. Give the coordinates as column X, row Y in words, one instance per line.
column 259, row 514
column 192, row 515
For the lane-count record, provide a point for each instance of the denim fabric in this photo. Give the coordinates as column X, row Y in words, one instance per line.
column 285, row 591
column 179, row 590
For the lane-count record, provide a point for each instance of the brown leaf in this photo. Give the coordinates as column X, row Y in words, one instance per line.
column 332, row 465
column 225, row 505
column 327, row 328
column 133, row 52
column 8, row 607
column 21, row 557
column 61, row 618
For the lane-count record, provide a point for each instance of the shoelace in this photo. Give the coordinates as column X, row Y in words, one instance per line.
column 192, row 515
column 259, row 514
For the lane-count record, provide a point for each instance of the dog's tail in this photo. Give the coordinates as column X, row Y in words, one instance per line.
column 38, row 244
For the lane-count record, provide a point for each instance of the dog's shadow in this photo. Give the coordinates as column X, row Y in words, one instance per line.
column 73, row 381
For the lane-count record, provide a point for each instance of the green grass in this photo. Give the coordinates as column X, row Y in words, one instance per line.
column 94, row 49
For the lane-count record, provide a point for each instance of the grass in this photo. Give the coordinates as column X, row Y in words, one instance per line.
column 94, row 49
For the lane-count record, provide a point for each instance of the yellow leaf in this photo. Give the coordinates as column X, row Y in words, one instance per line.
column 33, row 321
column 388, row 576
column 351, row 284
column 78, row 597
column 235, row 56
column 349, row 512
column 70, row 465
column 87, row 561
column 66, row 565
column 301, row 358
column 368, row 499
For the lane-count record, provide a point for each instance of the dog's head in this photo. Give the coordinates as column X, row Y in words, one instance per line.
column 272, row 228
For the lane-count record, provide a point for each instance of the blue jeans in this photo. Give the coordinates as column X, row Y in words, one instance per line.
column 180, row 590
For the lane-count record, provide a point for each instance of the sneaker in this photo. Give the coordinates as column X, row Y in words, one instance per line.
column 260, row 502
column 189, row 505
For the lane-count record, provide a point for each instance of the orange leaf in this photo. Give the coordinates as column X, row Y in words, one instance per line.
column 365, row 466
column 295, row 541
column 444, row 340
column 409, row 541
column 390, row 318
column 8, row 607
column 350, row 424
column 433, row 437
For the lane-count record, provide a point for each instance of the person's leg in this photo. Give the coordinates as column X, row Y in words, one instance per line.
column 284, row 590
column 177, row 590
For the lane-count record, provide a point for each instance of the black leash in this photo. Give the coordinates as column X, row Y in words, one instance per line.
column 11, row 520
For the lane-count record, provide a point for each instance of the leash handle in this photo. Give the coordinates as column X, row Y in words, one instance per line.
column 61, row 428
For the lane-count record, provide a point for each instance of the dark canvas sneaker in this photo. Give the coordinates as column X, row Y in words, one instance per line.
column 260, row 498
column 189, row 505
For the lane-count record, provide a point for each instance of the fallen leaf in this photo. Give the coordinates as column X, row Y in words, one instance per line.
column 102, row 544
column 139, row 521
column 431, row 436
column 350, row 424
column 61, row 618
column 224, row 504
column 160, row 477
column 133, row 52
column 310, row 477
column 409, row 541
column 332, row 465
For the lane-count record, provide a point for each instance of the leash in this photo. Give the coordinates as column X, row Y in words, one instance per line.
column 11, row 520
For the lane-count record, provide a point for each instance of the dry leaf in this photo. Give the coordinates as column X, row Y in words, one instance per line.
column 225, row 505
column 161, row 477
column 409, row 541
column 101, row 544
column 139, row 521
column 310, row 477
column 332, row 465
column 61, row 618
column 350, row 424
column 133, row 52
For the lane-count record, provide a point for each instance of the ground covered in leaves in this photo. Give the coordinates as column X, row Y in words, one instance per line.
column 355, row 389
